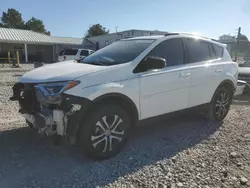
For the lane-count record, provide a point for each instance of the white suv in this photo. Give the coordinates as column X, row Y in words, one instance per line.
column 73, row 54
column 97, row 103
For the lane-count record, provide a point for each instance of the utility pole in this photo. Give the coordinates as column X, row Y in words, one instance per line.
column 116, row 28
column 238, row 35
column 237, row 44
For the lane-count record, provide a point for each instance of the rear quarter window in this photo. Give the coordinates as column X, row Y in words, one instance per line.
column 217, row 50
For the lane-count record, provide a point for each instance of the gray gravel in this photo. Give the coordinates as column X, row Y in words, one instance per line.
column 183, row 151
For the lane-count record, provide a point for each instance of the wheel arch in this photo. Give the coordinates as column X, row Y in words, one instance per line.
column 226, row 83
column 121, row 100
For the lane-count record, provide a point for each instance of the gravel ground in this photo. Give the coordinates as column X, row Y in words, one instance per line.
column 178, row 152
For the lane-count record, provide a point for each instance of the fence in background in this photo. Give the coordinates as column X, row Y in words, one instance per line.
column 14, row 61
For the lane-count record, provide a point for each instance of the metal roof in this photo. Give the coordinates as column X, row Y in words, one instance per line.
column 26, row 36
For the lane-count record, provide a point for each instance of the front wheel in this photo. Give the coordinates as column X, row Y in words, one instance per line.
column 104, row 133
column 220, row 104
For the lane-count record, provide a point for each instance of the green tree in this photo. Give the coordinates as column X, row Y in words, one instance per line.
column 95, row 30
column 227, row 38
column 12, row 19
column 240, row 49
column 243, row 38
column 37, row 25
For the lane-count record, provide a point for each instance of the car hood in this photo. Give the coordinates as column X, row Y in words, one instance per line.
column 63, row 71
column 244, row 70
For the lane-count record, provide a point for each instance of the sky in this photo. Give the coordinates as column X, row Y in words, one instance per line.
column 72, row 18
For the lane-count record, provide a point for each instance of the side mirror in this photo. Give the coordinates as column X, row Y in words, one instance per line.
column 152, row 62
column 240, row 65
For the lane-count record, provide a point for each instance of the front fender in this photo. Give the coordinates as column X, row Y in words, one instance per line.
column 129, row 88
column 232, row 78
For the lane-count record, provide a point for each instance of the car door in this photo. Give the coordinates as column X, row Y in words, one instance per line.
column 206, row 70
column 167, row 89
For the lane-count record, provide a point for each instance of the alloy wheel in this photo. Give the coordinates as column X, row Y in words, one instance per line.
column 222, row 104
column 107, row 133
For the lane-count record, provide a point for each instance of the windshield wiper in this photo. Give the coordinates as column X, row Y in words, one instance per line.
column 96, row 63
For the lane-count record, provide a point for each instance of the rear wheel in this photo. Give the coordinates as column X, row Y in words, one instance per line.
column 105, row 132
column 220, row 104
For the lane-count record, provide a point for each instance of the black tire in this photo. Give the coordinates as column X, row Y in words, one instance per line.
column 220, row 104
column 95, row 126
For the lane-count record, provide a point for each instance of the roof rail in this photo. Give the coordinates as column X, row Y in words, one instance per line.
column 192, row 34
column 168, row 34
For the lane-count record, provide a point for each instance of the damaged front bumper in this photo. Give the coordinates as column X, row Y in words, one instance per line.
column 58, row 114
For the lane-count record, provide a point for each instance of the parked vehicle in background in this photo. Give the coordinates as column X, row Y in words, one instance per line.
column 98, row 102
column 244, row 74
column 73, row 54
column 244, row 71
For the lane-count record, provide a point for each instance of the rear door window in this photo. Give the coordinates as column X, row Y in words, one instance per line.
column 198, row 50
column 70, row 52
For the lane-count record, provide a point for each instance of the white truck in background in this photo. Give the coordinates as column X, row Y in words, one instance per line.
column 73, row 54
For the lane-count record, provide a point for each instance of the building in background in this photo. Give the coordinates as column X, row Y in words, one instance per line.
column 33, row 46
column 101, row 41
column 229, row 41
column 37, row 47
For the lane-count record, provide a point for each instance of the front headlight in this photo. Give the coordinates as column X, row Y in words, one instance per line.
column 51, row 89
column 50, row 92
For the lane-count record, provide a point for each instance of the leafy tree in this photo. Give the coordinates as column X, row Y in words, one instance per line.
column 227, row 38
column 37, row 25
column 243, row 38
column 231, row 38
column 12, row 19
column 95, row 30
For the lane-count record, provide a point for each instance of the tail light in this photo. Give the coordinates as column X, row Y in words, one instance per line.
column 64, row 57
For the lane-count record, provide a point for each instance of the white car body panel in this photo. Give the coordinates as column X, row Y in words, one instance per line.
column 73, row 57
column 129, row 88
column 154, row 92
column 117, row 79
column 63, row 71
column 160, row 89
column 67, row 57
column 205, row 78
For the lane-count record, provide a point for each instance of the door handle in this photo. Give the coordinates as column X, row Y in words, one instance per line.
column 218, row 70
column 184, row 75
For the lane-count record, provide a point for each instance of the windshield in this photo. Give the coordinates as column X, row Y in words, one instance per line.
column 118, row 52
